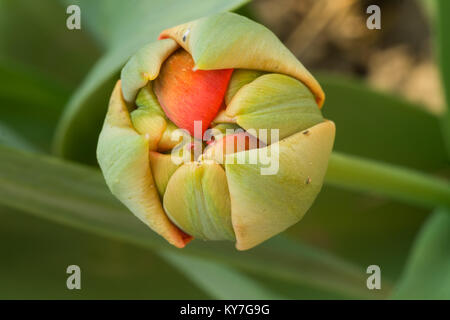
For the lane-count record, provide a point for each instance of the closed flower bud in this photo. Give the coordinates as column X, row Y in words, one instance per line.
column 215, row 132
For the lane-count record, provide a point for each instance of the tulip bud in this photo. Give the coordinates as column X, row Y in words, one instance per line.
column 253, row 143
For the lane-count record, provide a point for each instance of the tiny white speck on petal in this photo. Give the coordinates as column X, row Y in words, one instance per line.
column 185, row 34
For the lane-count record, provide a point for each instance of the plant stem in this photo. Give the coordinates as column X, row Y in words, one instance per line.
column 388, row 180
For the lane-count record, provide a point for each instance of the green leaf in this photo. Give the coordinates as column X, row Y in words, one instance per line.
column 80, row 125
column 37, row 254
column 220, row 281
column 348, row 223
column 427, row 274
column 77, row 196
column 385, row 179
column 109, row 269
column 34, row 33
column 39, row 63
column 9, row 137
column 430, row 8
column 382, row 127
column 31, row 103
column 443, row 46
column 113, row 21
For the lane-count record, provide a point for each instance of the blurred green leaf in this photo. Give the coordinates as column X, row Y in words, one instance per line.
column 429, row 7
column 36, row 254
column 395, row 182
column 125, row 31
column 40, row 61
column 221, row 282
column 34, row 33
column 443, row 45
column 362, row 228
column 77, row 196
column 114, row 22
column 427, row 272
column 382, row 127
column 9, row 137
column 31, row 103
column 109, row 269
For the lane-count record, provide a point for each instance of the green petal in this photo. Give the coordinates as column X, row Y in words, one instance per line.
column 224, row 127
column 265, row 205
column 147, row 100
column 275, row 101
column 228, row 40
column 149, row 119
column 167, row 141
column 144, row 66
column 123, row 157
column 240, row 78
column 162, row 168
column 197, row 200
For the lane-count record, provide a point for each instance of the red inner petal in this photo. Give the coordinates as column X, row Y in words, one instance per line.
column 237, row 142
column 187, row 95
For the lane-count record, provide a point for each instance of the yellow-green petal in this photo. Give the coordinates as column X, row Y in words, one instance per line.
column 228, row 40
column 240, row 78
column 123, row 157
column 162, row 168
column 147, row 100
column 227, row 128
column 149, row 119
column 197, row 200
column 275, row 101
column 144, row 66
column 168, row 140
column 222, row 117
column 265, row 205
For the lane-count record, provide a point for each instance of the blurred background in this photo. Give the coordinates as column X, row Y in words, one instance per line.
column 384, row 91
column 332, row 36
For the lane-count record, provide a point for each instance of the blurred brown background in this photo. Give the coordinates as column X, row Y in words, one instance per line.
column 332, row 36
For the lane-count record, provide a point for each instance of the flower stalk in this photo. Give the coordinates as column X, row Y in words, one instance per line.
column 387, row 180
